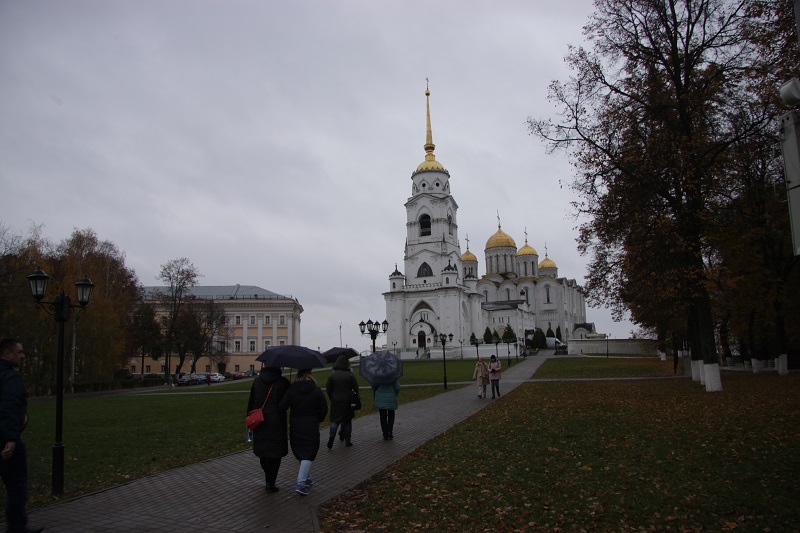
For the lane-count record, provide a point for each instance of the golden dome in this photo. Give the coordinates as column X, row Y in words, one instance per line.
column 431, row 164
column 469, row 256
column 527, row 250
column 500, row 240
column 547, row 263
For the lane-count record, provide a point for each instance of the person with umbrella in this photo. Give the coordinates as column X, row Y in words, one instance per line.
column 383, row 371
column 341, row 387
column 308, row 408
column 269, row 438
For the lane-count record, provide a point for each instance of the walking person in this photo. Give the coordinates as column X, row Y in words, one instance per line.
column 386, row 403
column 308, row 408
column 494, row 375
column 341, row 387
column 13, row 417
column 481, row 377
column 269, row 438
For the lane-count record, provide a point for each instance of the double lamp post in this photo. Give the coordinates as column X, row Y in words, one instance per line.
column 61, row 309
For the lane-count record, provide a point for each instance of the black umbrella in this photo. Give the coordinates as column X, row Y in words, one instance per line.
column 333, row 354
column 381, row 367
column 292, row 356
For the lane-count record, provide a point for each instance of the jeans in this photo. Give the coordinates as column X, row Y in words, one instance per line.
column 304, row 472
column 14, row 472
column 495, row 387
column 347, row 429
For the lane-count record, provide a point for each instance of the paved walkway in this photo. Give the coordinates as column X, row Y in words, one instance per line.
column 227, row 494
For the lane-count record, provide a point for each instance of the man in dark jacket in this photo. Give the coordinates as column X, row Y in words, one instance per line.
column 341, row 388
column 269, row 438
column 13, row 416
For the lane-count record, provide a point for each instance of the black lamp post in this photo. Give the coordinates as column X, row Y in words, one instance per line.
column 373, row 330
column 444, row 338
column 61, row 309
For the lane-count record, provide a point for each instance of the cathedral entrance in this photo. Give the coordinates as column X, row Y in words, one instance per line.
column 421, row 344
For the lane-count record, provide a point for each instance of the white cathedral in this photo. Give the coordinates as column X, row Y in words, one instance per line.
column 441, row 292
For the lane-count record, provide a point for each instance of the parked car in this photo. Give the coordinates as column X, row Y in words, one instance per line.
column 216, row 377
column 187, row 379
column 202, row 379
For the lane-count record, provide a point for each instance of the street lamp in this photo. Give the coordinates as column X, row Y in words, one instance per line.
column 444, row 338
column 61, row 309
column 373, row 330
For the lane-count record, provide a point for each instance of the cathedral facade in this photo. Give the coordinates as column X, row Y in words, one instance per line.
column 440, row 290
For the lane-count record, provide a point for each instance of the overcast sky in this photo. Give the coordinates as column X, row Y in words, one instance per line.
column 272, row 143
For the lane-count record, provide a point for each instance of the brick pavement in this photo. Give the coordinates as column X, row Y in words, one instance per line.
column 227, row 494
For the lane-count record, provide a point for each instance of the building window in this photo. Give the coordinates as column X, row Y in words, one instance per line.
column 266, row 320
column 224, row 319
column 235, row 368
column 424, row 271
column 208, row 368
column 282, row 320
column 447, row 281
column 424, row 225
column 237, row 346
column 450, row 224
column 252, row 346
column 267, row 343
column 547, row 294
column 282, row 343
column 252, row 368
column 163, row 368
column 133, row 369
column 163, row 320
column 252, row 320
column 147, row 369
column 237, row 320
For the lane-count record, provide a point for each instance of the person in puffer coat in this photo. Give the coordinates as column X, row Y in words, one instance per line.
column 270, row 438
column 308, row 408
column 341, row 387
column 386, row 403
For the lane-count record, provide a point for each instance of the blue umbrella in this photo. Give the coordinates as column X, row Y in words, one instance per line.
column 292, row 356
column 380, row 368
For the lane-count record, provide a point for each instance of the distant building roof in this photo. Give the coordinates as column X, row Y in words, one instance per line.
column 223, row 292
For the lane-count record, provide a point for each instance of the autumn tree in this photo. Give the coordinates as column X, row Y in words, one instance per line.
column 144, row 334
column 648, row 118
column 178, row 275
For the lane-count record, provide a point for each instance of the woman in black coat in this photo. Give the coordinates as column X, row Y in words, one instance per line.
column 341, row 387
column 269, row 438
column 308, row 408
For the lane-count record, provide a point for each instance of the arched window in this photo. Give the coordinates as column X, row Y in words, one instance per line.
column 424, row 271
column 508, row 294
column 424, row 225
column 547, row 294
column 450, row 224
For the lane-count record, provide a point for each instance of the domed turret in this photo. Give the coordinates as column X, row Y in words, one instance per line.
column 547, row 263
column 500, row 239
column 527, row 250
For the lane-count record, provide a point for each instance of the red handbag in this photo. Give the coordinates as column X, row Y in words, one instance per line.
column 256, row 416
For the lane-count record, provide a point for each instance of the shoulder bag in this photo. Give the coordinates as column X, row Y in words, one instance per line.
column 256, row 416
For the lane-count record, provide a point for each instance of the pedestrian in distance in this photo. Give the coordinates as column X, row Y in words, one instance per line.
column 270, row 437
column 386, row 403
column 494, row 375
column 13, row 418
column 341, row 387
column 481, row 376
column 307, row 408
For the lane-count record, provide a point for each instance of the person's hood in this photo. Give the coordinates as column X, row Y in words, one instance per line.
column 342, row 363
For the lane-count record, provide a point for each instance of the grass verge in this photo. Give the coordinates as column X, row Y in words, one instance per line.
column 657, row 455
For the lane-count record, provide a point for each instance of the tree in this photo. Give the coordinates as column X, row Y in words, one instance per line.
column 145, row 336
column 475, row 341
column 509, row 337
column 179, row 275
column 488, row 338
column 648, row 120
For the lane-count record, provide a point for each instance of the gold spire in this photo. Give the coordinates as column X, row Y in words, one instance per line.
column 430, row 162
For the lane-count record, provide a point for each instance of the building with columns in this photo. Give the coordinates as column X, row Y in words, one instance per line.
column 440, row 289
column 253, row 320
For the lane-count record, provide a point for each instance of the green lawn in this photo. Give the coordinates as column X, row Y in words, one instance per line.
column 635, row 455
